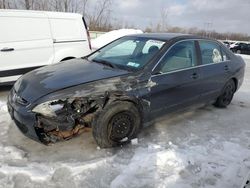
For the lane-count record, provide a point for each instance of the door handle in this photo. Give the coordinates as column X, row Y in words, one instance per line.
column 7, row 49
column 195, row 75
column 226, row 68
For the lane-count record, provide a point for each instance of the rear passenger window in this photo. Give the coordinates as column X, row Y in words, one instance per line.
column 210, row 52
column 182, row 55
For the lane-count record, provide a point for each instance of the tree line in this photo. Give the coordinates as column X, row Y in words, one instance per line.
column 201, row 32
column 98, row 15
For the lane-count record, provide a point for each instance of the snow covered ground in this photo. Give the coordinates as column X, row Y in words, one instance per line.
column 207, row 147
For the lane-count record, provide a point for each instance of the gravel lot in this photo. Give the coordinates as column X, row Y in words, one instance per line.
column 207, row 147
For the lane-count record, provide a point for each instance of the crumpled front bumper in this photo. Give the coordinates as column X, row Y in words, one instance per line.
column 24, row 119
column 48, row 130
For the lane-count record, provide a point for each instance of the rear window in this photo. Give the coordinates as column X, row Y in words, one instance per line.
column 17, row 29
column 151, row 43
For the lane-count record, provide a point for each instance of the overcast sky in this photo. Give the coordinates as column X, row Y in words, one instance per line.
column 224, row 15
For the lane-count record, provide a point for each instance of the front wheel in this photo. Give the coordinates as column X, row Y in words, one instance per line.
column 117, row 124
column 227, row 95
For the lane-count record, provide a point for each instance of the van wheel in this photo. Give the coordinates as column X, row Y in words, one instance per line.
column 116, row 125
column 227, row 95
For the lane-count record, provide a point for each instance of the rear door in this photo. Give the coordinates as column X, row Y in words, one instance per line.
column 215, row 69
column 25, row 44
column 176, row 79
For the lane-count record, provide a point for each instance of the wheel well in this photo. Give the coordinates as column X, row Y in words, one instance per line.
column 67, row 58
column 137, row 104
column 236, row 83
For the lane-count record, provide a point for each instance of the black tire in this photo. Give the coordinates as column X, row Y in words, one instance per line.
column 227, row 95
column 116, row 124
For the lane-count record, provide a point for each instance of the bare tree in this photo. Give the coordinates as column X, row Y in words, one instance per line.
column 161, row 25
column 98, row 15
column 3, row 4
column 42, row 5
column 84, row 7
column 100, row 19
column 27, row 4
column 164, row 17
column 56, row 5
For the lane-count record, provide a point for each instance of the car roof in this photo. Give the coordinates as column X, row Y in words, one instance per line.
column 168, row 36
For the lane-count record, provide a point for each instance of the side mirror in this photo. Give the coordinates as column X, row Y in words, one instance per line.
column 157, row 73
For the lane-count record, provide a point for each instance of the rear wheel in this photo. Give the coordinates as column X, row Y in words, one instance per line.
column 227, row 95
column 117, row 124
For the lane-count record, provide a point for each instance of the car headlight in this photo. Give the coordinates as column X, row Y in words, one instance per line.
column 48, row 108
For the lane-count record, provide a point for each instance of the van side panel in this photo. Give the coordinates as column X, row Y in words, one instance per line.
column 72, row 50
column 66, row 29
column 70, row 38
column 30, row 40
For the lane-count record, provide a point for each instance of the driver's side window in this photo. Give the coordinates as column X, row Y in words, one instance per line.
column 182, row 55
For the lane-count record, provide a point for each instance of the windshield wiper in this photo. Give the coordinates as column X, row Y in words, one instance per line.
column 104, row 62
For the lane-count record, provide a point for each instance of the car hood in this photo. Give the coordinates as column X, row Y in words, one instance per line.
column 48, row 79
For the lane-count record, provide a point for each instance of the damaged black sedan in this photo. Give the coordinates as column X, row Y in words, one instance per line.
column 117, row 89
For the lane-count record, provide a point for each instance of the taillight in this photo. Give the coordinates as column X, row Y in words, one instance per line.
column 89, row 39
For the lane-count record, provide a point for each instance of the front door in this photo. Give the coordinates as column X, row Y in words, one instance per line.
column 176, row 79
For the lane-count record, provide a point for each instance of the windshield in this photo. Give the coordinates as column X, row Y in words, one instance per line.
column 131, row 53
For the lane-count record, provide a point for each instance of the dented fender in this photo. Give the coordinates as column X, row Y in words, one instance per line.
column 82, row 103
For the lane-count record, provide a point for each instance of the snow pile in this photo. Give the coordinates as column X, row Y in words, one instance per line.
column 4, row 118
column 192, row 166
column 3, row 106
column 153, row 166
column 245, row 57
column 111, row 36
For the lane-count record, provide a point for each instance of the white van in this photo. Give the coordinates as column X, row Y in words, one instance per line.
column 31, row 39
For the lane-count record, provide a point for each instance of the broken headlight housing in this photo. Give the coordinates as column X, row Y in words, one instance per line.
column 49, row 108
